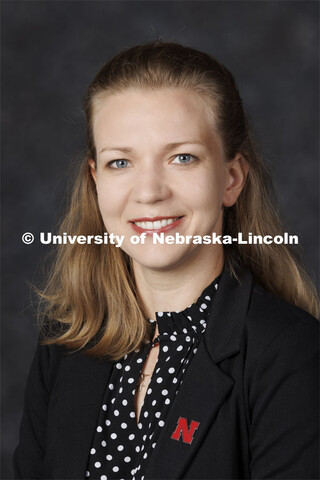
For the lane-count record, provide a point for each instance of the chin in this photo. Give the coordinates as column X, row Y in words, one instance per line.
column 162, row 258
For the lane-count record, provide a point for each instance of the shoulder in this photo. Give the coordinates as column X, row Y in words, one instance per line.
column 54, row 362
column 46, row 365
column 279, row 330
column 270, row 315
column 247, row 318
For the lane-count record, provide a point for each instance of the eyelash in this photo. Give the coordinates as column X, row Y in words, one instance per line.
column 193, row 158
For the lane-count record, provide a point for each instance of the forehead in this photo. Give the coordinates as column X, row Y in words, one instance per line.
column 163, row 114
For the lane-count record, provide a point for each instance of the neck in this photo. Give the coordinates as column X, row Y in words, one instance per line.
column 175, row 289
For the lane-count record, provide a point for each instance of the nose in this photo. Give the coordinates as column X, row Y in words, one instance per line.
column 151, row 185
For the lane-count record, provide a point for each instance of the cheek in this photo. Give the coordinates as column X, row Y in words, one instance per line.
column 108, row 199
column 207, row 194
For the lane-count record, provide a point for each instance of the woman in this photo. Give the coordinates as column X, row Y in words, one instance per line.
column 180, row 359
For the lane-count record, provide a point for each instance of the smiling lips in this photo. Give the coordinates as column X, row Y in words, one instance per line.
column 155, row 224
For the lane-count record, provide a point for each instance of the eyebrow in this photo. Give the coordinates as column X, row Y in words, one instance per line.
column 166, row 148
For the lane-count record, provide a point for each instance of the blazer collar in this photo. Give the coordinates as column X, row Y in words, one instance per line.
column 228, row 313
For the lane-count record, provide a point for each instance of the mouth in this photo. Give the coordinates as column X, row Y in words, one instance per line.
column 155, row 224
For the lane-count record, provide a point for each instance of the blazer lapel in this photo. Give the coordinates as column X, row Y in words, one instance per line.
column 205, row 386
column 84, row 380
column 203, row 390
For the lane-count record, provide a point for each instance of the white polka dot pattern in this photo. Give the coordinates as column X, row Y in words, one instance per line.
column 121, row 448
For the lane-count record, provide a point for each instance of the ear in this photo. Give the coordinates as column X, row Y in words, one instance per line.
column 92, row 164
column 237, row 171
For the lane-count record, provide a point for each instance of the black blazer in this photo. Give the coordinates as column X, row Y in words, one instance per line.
column 252, row 387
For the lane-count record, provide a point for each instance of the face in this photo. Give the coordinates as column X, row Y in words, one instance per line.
column 160, row 168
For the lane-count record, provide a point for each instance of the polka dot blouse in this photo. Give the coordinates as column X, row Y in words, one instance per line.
column 121, row 447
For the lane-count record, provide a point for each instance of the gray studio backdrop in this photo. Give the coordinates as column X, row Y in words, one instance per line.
column 50, row 52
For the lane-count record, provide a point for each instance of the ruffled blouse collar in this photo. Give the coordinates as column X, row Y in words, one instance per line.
column 192, row 320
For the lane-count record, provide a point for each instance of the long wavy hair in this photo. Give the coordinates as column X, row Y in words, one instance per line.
column 90, row 296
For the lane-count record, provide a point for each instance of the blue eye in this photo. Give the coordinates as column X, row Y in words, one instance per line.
column 183, row 158
column 118, row 164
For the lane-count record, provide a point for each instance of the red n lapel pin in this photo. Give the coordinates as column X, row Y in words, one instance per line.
column 182, row 429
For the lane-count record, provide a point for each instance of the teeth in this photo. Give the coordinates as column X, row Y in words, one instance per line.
column 156, row 225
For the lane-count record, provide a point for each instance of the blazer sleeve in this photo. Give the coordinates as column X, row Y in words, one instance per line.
column 284, row 404
column 29, row 454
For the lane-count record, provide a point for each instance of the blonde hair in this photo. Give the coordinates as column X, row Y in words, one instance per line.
column 90, row 296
